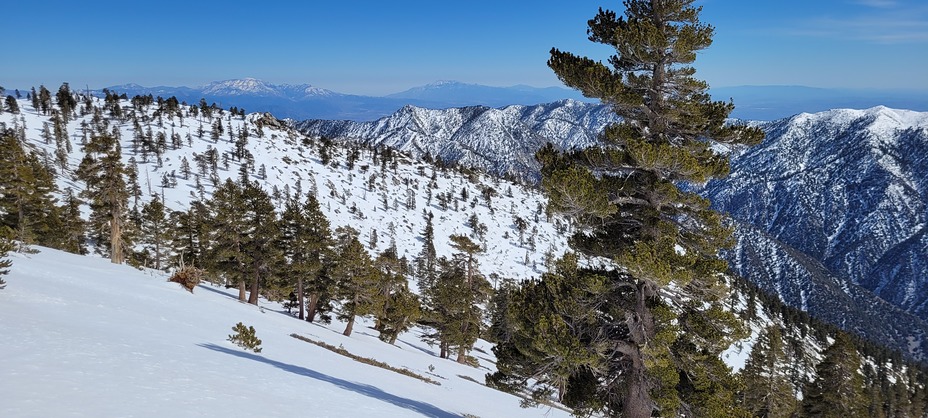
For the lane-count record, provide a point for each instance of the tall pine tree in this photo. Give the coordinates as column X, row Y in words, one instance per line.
column 655, row 344
column 838, row 388
column 767, row 391
column 306, row 244
column 103, row 171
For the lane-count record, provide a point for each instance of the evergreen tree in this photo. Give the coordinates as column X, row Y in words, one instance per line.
column 66, row 101
column 6, row 245
column 73, row 226
column 12, row 105
column 306, row 244
column 838, row 388
column 655, row 345
column 261, row 256
column 45, row 100
column 427, row 258
column 25, row 192
column 107, row 193
column 767, row 391
column 156, row 232
column 191, row 234
column 452, row 300
column 227, row 235
column 397, row 307
column 355, row 278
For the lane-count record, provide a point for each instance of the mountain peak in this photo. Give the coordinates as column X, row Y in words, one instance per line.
column 241, row 86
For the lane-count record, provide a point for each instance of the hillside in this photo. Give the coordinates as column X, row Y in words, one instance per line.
column 378, row 196
column 83, row 337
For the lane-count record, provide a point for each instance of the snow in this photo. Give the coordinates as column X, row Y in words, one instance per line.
column 289, row 160
column 86, row 338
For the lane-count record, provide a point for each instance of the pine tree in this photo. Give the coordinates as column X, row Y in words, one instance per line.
column 453, row 298
column 26, row 186
column 355, row 278
column 66, row 101
column 156, row 232
column 262, row 257
column 227, row 234
column 838, row 388
column 306, row 243
column 396, row 307
column 6, row 245
column 427, row 258
column 107, row 193
column 767, row 391
column 73, row 226
column 12, row 105
column 662, row 318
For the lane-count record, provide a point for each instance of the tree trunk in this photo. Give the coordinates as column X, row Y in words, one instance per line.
column 115, row 240
column 299, row 295
column 241, row 290
column 313, row 306
column 255, row 286
column 462, row 355
column 638, row 401
column 348, row 328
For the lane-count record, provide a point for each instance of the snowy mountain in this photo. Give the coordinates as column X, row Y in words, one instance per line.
column 84, row 337
column 502, row 141
column 304, row 101
column 848, row 188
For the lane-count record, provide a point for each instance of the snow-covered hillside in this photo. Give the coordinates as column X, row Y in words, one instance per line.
column 376, row 198
column 86, row 338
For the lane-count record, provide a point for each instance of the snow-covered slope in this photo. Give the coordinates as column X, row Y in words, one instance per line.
column 501, row 141
column 86, row 338
column 375, row 198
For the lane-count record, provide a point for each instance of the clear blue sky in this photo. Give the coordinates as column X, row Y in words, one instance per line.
column 379, row 47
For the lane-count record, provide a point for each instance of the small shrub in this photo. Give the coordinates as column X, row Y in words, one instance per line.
column 188, row 277
column 245, row 337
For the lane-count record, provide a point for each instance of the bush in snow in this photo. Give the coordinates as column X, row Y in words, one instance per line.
column 245, row 337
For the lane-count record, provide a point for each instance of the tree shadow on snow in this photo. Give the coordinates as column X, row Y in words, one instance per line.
column 423, row 408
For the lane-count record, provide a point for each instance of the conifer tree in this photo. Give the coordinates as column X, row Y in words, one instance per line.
column 453, row 298
column 306, row 243
column 396, row 307
column 262, row 257
column 227, row 234
column 6, row 245
column 838, row 388
column 655, row 345
column 73, row 226
column 12, row 105
column 66, row 101
column 767, row 391
column 26, row 186
column 156, row 232
column 355, row 278
column 106, row 192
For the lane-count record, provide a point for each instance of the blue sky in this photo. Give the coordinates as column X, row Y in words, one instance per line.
column 380, row 47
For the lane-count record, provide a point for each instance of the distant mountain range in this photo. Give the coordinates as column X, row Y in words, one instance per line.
column 304, row 101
